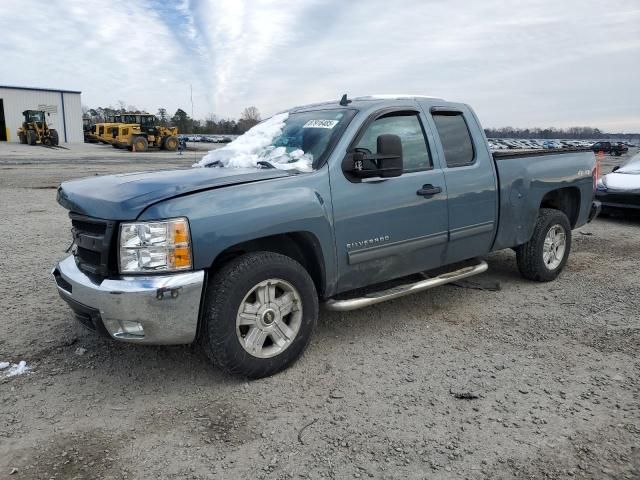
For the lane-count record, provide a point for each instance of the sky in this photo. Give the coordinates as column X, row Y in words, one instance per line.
column 517, row 63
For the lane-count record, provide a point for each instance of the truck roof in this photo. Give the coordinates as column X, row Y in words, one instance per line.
column 362, row 101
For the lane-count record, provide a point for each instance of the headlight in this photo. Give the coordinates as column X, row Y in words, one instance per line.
column 159, row 246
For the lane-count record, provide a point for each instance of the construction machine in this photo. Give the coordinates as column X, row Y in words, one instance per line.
column 104, row 130
column 35, row 129
column 144, row 133
column 89, row 130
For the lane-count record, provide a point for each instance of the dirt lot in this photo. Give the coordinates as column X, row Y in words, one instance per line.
column 555, row 369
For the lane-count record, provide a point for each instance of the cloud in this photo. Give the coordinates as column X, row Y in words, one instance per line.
column 537, row 63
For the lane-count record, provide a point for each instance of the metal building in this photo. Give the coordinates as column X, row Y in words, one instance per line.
column 63, row 107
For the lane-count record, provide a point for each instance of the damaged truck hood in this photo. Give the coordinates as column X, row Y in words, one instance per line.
column 125, row 196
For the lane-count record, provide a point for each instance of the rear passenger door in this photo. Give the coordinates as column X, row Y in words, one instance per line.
column 469, row 173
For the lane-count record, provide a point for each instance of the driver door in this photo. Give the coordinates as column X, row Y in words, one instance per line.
column 390, row 227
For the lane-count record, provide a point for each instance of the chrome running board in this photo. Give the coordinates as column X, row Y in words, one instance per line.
column 402, row 290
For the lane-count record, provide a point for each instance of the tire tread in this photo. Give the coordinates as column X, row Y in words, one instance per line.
column 214, row 335
column 529, row 256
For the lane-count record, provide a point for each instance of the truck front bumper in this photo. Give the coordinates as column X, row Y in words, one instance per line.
column 153, row 309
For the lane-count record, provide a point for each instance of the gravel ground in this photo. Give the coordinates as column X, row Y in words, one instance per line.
column 550, row 371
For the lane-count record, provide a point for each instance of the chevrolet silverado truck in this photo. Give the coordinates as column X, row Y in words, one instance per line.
column 346, row 204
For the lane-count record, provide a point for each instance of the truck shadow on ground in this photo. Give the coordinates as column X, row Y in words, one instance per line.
column 139, row 366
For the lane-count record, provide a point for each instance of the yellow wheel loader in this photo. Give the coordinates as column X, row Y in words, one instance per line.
column 145, row 134
column 35, row 129
column 89, row 131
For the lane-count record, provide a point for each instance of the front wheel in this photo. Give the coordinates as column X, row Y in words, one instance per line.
column 140, row 144
column 544, row 256
column 171, row 143
column 261, row 309
column 32, row 137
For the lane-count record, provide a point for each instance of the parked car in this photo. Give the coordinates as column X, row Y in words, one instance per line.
column 611, row 148
column 325, row 203
column 620, row 189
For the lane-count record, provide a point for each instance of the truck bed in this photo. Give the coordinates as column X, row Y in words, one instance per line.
column 526, row 178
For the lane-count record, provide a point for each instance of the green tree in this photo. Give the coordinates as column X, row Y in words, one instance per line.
column 163, row 117
column 181, row 120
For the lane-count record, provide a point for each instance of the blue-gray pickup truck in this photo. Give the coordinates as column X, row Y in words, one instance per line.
column 345, row 203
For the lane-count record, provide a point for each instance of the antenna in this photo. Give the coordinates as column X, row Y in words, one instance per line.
column 191, row 96
column 344, row 101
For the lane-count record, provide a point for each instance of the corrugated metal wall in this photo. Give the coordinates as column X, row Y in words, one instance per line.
column 16, row 101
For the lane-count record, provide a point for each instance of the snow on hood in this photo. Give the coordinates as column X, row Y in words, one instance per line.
column 257, row 145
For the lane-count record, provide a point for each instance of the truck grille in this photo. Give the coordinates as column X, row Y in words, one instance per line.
column 95, row 248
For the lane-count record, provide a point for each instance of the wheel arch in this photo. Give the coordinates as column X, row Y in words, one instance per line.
column 303, row 247
column 567, row 200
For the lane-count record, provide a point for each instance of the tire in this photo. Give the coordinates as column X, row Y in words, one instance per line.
column 171, row 143
column 32, row 137
column 140, row 144
column 23, row 138
column 55, row 139
column 237, row 284
column 532, row 263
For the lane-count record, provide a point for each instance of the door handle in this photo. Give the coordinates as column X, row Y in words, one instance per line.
column 428, row 190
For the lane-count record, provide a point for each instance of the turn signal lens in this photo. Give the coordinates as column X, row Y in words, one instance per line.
column 182, row 258
column 180, row 232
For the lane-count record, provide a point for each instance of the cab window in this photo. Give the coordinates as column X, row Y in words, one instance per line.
column 455, row 138
column 415, row 152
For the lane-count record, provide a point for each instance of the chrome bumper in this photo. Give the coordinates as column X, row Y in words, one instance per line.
column 158, row 309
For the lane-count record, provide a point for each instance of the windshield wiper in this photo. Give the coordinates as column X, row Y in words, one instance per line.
column 264, row 164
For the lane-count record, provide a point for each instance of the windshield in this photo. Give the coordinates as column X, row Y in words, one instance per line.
column 288, row 141
column 35, row 117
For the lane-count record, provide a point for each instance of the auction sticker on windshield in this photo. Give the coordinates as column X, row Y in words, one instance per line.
column 321, row 124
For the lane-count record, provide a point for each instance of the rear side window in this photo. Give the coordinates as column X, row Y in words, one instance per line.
column 455, row 138
column 408, row 127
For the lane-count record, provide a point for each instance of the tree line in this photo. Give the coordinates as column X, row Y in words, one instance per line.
column 572, row 133
column 211, row 125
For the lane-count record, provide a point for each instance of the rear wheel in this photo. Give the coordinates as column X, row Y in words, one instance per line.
column 55, row 139
column 171, row 143
column 32, row 137
column 544, row 256
column 261, row 309
column 140, row 144
column 23, row 138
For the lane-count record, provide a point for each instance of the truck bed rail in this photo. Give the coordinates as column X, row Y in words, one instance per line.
column 506, row 155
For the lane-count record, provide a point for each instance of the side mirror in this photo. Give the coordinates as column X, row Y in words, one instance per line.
column 386, row 163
